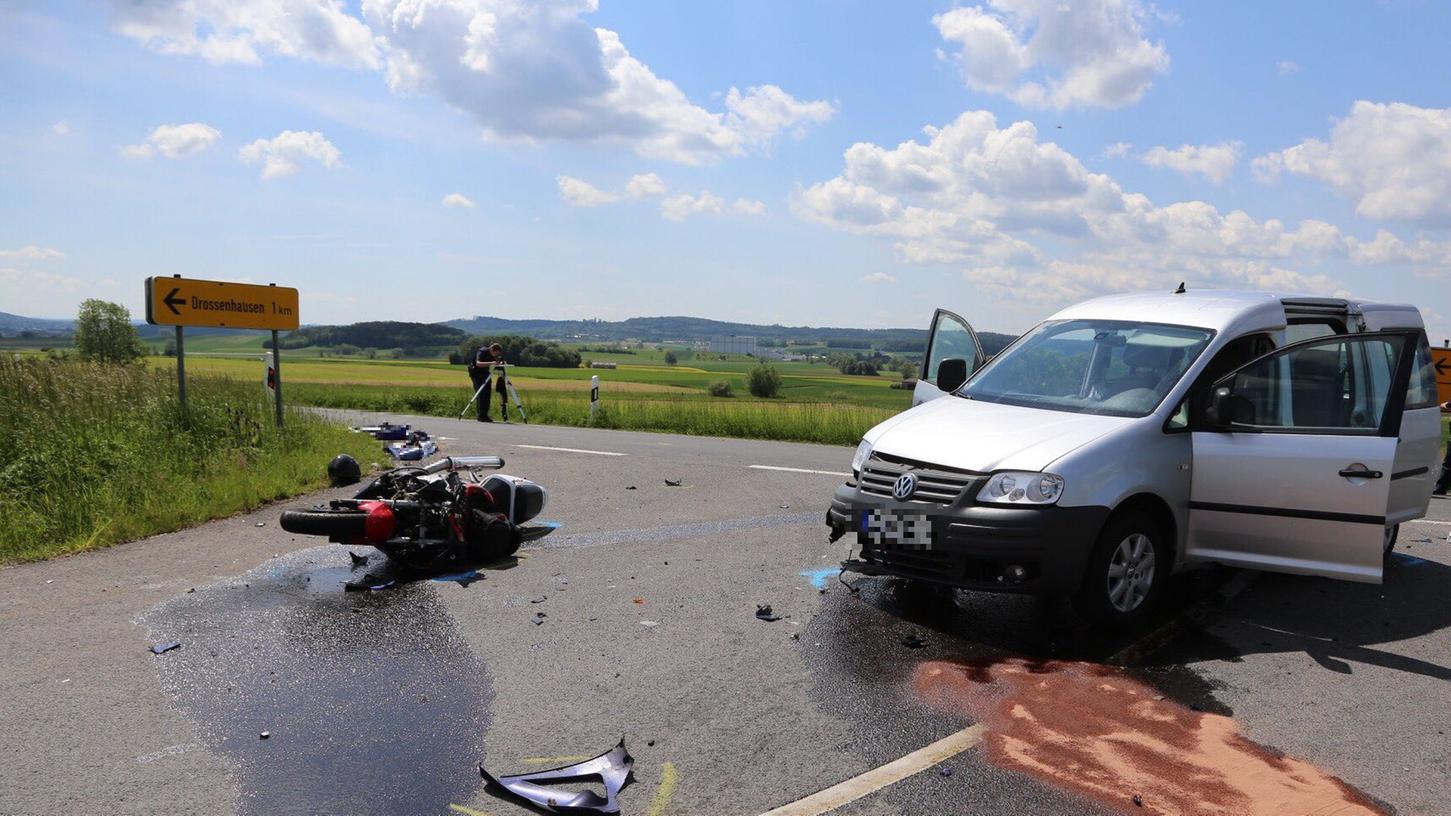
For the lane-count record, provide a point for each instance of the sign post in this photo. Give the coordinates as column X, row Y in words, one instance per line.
column 594, row 397
column 178, row 301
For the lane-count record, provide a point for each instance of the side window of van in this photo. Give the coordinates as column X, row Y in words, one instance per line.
column 1238, row 352
column 1332, row 384
column 1421, row 393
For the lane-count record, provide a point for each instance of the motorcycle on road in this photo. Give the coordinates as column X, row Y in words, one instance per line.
column 444, row 517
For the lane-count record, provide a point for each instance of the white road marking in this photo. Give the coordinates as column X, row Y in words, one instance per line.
column 798, row 470
column 1430, row 521
column 573, row 450
column 878, row 778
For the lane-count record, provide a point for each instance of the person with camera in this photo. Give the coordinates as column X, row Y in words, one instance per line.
column 485, row 359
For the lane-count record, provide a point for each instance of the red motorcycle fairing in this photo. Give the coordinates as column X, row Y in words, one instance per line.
column 380, row 524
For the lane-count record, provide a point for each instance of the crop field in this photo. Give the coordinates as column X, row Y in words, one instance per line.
column 816, row 402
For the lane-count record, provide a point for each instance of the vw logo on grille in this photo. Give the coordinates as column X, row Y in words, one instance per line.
column 905, row 486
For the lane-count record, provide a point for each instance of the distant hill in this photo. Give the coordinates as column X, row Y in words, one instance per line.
column 385, row 334
column 657, row 329
column 12, row 325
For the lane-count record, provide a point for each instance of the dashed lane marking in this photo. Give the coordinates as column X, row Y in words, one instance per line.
column 572, row 450
column 798, row 470
column 878, row 778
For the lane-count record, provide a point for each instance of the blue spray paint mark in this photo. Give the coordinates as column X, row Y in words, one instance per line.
column 819, row 577
column 1411, row 560
column 463, row 578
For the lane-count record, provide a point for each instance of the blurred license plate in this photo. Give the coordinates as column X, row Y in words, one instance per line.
column 904, row 529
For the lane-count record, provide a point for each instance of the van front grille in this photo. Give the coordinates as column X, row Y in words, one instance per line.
column 935, row 485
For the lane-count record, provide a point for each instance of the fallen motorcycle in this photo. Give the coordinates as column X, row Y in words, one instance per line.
column 430, row 519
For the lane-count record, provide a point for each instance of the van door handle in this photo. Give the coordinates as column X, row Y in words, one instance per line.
column 1360, row 472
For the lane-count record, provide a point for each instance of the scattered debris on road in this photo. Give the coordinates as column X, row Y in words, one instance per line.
column 358, row 560
column 264, row 735
column 165, row 647
column 539, row 618
column 649, row 623
column 673, row 482
column 614, row 769
column 764, row 612
column 912, row 641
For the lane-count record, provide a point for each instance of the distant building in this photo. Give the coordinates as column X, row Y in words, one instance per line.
column 600, row 364
column 733, row 344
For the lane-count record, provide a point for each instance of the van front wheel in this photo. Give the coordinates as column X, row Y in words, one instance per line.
column 1126, row 572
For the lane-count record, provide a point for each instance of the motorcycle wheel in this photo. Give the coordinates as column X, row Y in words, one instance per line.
column 343, row 524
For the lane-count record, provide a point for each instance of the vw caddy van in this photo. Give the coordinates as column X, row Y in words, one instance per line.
column 1128, row 437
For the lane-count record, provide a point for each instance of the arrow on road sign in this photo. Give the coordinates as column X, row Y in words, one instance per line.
column 1443, row 367
column 172, row 301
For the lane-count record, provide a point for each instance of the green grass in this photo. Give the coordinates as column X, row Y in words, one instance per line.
column 698, row 415
column 92, row 455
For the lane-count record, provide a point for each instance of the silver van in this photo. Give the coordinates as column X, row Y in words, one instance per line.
column 1131, row 436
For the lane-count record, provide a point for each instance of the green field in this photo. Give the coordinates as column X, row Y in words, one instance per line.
column 816, row 402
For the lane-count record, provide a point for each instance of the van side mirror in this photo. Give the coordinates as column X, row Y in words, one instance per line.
column 951, row 374
column 1227, row 408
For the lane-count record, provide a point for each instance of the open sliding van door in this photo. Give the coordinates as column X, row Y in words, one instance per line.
column 1294, row 461
column 953, row 354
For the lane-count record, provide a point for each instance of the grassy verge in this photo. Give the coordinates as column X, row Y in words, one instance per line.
column 91, row 455
column 704, row 416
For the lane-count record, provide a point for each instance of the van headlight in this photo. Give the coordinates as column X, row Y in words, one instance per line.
column 1017, row 487
column 859, row 459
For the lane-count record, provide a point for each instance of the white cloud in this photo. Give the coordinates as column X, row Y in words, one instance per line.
column 222, row 31
column 539, row 71
column 880, row 277
column 1026, row 220
column 280, row 156
column 1287, row 67
column 645, row 185
column 61, row 128
column 580, row 193
column 746, row 206
column 174, row 141
column 1117, row 150
column 681, row 207
column 1393, row 160
column 458, row 200
column 525, row 71
column 1214, row 162
column 1051, row 54
column 31, row 252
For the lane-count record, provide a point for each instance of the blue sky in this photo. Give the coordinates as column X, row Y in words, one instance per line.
column 1073, row 151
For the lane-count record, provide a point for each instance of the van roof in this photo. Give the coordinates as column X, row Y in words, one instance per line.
column 1223, row 310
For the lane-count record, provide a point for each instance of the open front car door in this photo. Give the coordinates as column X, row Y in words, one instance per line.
column 1294, row 456
column 953, row 354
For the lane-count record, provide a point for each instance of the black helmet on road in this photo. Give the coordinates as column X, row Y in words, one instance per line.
column 343, row 470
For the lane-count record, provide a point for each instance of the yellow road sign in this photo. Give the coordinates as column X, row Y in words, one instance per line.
column 1441, row 359
column 191, row 302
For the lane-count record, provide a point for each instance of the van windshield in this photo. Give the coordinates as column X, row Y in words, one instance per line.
column 1113, row 367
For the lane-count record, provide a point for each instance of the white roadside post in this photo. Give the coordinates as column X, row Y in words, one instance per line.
column 594, row 397
column 269, row 377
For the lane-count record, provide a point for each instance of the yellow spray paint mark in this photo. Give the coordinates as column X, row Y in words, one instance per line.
column 668, row 778
column 466, row 811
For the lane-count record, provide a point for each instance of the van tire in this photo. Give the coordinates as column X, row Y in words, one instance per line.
column 1126, row 572
column 1392, row 533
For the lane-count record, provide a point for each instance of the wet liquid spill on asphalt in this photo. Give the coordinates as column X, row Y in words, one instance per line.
column 372, row 701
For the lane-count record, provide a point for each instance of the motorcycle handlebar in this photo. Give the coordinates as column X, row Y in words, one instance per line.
column 464, row 463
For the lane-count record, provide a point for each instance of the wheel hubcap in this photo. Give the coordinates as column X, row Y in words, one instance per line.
column 1131, row 572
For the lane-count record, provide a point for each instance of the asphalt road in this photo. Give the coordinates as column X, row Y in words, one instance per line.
column 386, row 702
